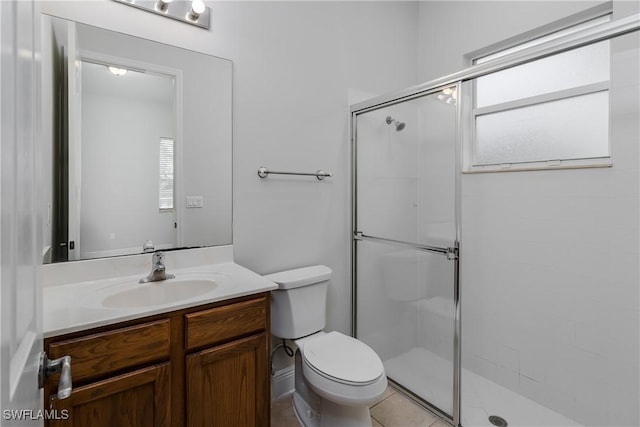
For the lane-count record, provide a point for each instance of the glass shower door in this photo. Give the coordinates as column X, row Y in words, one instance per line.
column 405, row 242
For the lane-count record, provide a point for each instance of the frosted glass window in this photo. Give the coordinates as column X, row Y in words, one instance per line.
column 548, row 112
column 570, row 128
column 572, row 69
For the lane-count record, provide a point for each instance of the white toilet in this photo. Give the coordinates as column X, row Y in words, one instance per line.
column 337, row 377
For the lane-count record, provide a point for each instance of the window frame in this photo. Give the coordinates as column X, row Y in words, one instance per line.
column 589, row 18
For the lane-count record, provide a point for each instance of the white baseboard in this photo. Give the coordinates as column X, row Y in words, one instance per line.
column 283, row 383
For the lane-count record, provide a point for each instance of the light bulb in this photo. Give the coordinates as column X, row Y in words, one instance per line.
column 197, row 7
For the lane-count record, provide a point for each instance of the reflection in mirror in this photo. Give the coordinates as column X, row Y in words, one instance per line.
column 125, row 111
column 141, row 144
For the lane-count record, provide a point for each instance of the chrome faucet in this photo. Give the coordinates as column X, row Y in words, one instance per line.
column 157, row 269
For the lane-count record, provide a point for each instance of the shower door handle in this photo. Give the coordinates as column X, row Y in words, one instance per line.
column 450, row 252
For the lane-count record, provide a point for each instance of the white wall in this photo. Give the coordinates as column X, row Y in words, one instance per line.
column 549, row 264
column 298, row 121
column 116, row 215
column 294, row 65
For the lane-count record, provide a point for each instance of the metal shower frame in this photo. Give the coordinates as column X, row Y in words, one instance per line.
column 605, row 31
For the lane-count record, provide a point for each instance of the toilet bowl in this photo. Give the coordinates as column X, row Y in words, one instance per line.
column 337, row 377
column 343, row 369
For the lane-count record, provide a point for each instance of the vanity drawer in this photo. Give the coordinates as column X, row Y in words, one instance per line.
column 223, row 323
column 103, row 353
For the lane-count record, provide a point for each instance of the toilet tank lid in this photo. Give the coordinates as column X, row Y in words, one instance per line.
column 300, row 276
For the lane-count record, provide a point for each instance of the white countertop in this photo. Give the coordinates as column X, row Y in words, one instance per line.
column 78, row 306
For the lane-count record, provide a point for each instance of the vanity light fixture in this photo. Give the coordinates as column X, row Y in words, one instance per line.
column 163, row 5
column 193, row 12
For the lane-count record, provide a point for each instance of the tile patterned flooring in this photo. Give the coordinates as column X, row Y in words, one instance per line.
column 392, row 410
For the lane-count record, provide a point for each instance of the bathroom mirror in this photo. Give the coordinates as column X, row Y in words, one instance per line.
column 141, row 144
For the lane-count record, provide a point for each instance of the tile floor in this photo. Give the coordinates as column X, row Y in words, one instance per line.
column 393, row 410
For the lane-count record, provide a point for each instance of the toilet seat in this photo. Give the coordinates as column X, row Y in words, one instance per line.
column 343, row 359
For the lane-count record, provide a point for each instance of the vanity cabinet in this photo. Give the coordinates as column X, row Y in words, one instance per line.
column 139, row 398
column 226, row 380
column 225, row 384
column 202, row 366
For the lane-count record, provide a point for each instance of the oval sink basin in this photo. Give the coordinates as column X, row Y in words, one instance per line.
column 160, row 293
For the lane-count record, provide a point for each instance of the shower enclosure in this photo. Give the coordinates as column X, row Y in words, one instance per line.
column 406, row 242
column 533, row 349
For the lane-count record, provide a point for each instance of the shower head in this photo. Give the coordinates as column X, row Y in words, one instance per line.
column 399, row 125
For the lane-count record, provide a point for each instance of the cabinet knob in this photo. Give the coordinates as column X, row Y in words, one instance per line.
column 49, row 367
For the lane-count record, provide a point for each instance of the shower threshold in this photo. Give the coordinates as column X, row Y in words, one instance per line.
column 481, row 398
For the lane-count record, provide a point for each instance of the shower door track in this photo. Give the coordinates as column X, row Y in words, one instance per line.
column 597, row 33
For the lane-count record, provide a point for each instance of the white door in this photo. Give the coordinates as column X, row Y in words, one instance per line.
column 20, row 247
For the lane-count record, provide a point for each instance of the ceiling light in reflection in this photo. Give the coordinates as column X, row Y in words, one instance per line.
column 118, row 71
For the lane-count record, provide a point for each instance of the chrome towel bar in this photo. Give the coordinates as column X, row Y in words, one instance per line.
column 320, row 174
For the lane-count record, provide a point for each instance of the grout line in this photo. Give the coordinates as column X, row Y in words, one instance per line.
column 436, row 419
column 393, row 391
column 380, row 401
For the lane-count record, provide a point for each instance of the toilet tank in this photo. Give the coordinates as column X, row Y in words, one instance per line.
column 298, row 306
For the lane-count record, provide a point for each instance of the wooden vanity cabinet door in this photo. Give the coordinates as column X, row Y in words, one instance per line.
column 227, row 385
column 136, row 399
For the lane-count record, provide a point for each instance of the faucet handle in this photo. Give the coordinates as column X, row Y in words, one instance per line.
column 148, row 247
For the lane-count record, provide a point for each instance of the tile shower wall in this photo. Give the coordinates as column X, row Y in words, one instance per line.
column 549, row 272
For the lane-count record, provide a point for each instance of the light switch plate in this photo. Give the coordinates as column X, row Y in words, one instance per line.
column 195, row 201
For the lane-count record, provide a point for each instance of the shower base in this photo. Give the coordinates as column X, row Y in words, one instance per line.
column 481, row 398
